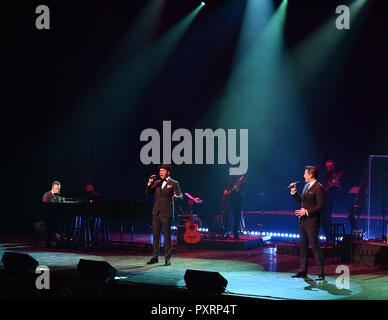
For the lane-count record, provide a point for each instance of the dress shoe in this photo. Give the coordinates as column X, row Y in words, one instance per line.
column 167, row 262
column 320, row 277
column 299, row 275
column 152, row 261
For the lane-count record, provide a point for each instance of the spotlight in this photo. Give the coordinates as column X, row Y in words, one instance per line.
column 202, row 3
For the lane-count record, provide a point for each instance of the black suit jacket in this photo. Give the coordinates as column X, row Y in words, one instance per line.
column 313, row 200
column 49, row 197
column 163, row 203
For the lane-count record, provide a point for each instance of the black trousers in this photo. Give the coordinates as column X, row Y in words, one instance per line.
column 326, row 219
column 232, row 219
column 164, row 224
column 308, row 233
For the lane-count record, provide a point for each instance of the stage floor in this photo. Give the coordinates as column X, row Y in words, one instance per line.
column 256, row 273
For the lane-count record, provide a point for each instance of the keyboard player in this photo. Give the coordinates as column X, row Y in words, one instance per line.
column 53, row 195
column 54, row 227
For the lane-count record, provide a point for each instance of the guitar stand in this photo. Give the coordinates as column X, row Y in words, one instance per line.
column 192, row 235
column 242, row 223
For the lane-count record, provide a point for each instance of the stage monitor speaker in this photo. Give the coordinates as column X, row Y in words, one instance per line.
column 96, row 270
column 19, row 263
column 197, row 280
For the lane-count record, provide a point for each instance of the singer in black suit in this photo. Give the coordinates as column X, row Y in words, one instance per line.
column 165, row 191
column 312, row 202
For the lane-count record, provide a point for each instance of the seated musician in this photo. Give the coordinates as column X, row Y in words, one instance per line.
column 331, row 180
column 53, row 195
column 90, row 193
column 52, row 225
column 55, row 226
column 90, row 196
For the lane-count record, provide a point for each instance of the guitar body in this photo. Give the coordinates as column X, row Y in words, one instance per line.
column 191, row 235
column 332, row 181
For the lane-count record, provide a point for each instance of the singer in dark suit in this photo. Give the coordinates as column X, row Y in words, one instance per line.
column 312, row 201
column 165, row 191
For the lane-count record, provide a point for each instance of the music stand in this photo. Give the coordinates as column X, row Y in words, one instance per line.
column 192, row 200
column 354, row 190
column 196, row 200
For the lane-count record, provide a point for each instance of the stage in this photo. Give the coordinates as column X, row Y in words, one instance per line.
column 254, row 274
column 124, row 118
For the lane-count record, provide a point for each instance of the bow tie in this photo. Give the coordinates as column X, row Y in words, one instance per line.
column 164, row 180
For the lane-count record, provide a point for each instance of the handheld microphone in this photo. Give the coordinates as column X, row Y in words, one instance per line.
column 292, row 184
column 153, row 176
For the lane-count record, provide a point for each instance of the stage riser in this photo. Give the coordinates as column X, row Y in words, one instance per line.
column 293, row 250
column 364, row 254
column 228, row 244
column 287, row 223
column 281, row 223
column 371, row 255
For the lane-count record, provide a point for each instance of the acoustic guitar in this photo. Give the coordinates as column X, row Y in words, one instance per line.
column 191, row 235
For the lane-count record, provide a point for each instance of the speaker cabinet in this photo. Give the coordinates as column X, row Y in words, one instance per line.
column 96, row 270
column 19, row 263
column 197, row 280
